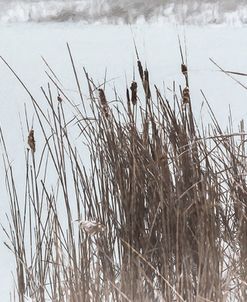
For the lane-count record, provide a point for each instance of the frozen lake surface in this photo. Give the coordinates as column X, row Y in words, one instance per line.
column 97, row 47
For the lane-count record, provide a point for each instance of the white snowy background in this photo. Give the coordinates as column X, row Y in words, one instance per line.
column 89, row 11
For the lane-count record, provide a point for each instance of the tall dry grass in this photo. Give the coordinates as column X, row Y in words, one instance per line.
column 166, row 199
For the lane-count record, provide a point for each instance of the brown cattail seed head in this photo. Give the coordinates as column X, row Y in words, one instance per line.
column 31, row 141
column 146, row 84
column 186, row 95
column 184, row 69
column 128, row 100
column 133, row 89
column 103, row 102
column 140, row 69
column 59, row 99
column 102, row 97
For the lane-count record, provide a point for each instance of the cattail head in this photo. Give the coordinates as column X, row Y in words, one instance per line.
column 128, row 100
column 186, row 95
column 31, row 140
column 146, row 84
column 184, row 69
column 140, row 69
column 133, row 89
column 103, row 102
column 59, row 98
column 102, row 97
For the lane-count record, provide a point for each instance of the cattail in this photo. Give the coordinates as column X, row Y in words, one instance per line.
column 184, row 69
column 128, row 100
column 59, row 98
column 133, row 89
column 31, row 141
column 140, row 69
column 102, row 97
column 145, row 132
column 103, row 102
column 186, row 95
column 128, row 96
column 146, row 84
column 91, row 227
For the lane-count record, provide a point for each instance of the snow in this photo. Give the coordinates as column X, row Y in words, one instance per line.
column 127, row 11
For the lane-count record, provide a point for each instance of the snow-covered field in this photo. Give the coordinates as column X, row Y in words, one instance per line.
column 98, row 46
column 125, row 11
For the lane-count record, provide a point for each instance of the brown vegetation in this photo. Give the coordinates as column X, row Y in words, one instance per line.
column 167, row 200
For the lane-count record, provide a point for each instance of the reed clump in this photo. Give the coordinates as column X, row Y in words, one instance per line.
column 163, row 202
